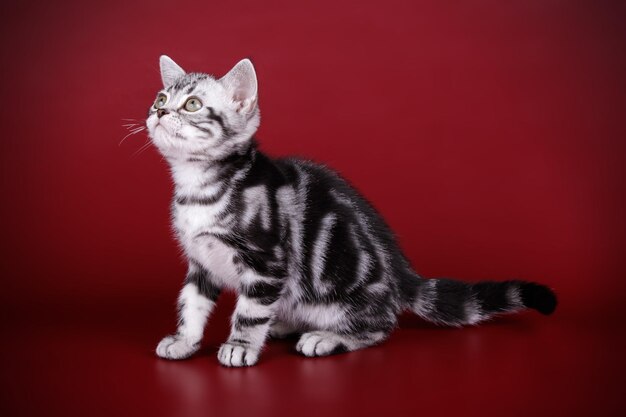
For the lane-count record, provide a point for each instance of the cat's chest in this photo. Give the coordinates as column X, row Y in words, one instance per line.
column 192, row 219
column 195, row 226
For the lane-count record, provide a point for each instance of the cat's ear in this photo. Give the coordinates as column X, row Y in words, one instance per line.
column 241, row 83
column 170, row 70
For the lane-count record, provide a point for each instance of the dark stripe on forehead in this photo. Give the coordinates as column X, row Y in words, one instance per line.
column 191, row 87
column 188, row 79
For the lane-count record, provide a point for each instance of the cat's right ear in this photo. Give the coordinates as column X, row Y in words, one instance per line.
column 170, row 70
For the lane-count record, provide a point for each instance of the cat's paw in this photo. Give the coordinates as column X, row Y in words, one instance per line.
column 233, row 354
column 320, row 344
column 176, row 347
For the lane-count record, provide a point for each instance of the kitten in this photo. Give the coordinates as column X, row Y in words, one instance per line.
column 305, row 252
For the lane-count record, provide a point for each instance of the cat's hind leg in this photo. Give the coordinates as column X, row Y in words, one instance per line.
column 323, row 343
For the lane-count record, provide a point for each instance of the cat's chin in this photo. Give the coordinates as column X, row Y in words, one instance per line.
column 179, row 149
column 161, row 132
column 164, row 140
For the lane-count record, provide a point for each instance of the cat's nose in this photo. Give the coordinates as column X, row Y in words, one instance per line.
column 162, row 112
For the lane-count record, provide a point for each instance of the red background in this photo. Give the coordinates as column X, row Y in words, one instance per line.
column 490, row 135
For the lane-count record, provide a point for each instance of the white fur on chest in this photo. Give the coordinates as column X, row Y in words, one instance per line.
column 194, row 223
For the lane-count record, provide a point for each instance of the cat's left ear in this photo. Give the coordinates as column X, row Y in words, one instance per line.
column 241, row 83
column 170, row 70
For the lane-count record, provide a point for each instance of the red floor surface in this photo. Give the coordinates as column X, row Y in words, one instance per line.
column 490, row 134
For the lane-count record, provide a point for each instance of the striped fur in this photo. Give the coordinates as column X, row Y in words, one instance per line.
column 304, row 250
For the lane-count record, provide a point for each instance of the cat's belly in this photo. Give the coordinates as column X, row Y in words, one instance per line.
column 321, row 316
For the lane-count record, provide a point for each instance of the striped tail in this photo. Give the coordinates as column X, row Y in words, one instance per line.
column 456, row 303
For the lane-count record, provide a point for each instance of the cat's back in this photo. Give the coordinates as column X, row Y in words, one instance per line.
column 324, row 190
column 326, row 205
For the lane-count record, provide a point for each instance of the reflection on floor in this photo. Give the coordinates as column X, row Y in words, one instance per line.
column 101, row 362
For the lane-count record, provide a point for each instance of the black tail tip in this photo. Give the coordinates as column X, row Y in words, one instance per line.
column 538, row 297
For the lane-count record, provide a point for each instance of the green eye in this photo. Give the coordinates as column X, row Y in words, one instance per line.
column 193, row 104
column 160, row 101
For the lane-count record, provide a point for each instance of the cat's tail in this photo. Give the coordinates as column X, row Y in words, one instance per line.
column 456, row 303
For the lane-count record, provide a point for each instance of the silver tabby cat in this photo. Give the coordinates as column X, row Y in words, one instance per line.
column 305, row 252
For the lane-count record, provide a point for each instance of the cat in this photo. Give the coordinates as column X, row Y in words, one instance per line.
column 305, row 252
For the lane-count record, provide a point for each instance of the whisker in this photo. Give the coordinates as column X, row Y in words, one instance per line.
column 143, row 148
column 133, row 131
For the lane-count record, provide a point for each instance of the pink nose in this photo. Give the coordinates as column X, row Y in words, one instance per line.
column 162, row 112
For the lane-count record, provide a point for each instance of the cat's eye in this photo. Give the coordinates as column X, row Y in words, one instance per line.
column 160, row 101
column 193, row 104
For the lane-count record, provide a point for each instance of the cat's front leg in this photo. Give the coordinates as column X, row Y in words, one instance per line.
column 251, row 320
column 195, row 303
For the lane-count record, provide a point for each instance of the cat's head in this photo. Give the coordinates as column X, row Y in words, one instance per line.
column 198, row 116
